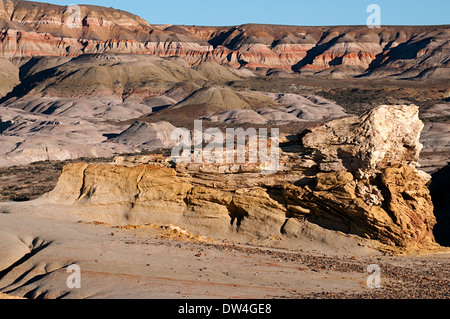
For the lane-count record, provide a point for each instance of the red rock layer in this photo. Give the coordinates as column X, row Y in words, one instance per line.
column 38, row 29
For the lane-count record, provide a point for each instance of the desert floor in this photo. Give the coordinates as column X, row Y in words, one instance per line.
column 39, row 242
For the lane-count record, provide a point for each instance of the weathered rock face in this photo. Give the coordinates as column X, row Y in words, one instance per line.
column 403, row 218
column 408, row 202
column 371, row 186
column 38, row 29
column 389, row 202
column 366, row 145
column 114, row 185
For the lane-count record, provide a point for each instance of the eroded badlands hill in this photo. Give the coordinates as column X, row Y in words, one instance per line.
column 74, row 78
column 36, row 29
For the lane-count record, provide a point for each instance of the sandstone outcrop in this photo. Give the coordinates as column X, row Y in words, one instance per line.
column 115, row 185
column 389, row 203
column 368, row 144
column 401, row 216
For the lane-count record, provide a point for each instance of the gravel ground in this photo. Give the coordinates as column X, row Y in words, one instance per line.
column 150, row 261
column 402, row 277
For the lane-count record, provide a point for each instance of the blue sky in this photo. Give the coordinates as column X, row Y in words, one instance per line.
column 290, row 12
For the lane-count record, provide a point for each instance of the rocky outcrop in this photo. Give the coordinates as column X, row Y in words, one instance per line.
column 389, row 203
column 36, row 29
column 368, row 173
column 115, row 185
column 401, row 214
column 368, row 144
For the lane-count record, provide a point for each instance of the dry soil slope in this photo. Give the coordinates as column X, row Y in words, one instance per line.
column 113, row 74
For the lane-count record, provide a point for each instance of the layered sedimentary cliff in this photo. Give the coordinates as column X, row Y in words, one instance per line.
column 34, row 29
column 381, row 196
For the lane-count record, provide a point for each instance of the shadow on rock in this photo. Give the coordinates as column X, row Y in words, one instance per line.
column 440, row 190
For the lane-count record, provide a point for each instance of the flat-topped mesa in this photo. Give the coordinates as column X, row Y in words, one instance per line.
column 31, row 29
column 364, row 183
column 366, row 145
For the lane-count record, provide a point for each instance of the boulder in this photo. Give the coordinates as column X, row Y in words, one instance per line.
column 365, row 145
